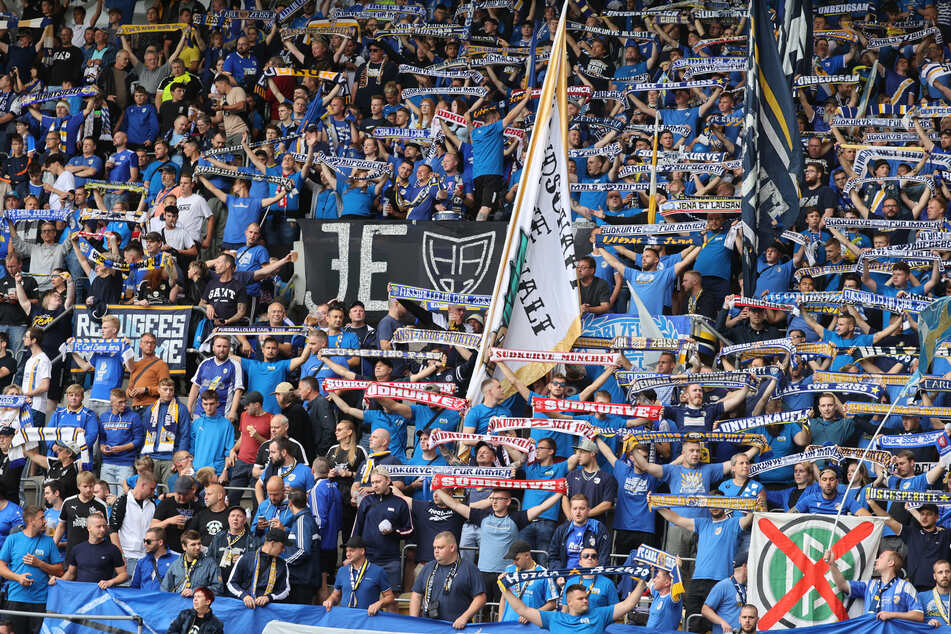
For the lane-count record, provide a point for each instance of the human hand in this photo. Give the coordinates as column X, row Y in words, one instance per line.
column 188, row 592
column 459, row 623
column 249, row 602
column 26, row 580
column 262, row 601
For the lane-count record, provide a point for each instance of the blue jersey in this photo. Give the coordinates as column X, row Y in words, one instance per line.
column 84, row 418
column 251, row 259
column 487, row 147
column 263, row 377
column 124, row 162
column 633, row 512
column 91, row 161
column 716, row 540
column 652, row 287
column 726, row 598
column 212, row 437
column 898, row 595
column 109, row 369
column 936, row 606
column 243, row 68
column 11, row 516
column 221, row 378
column 684, row 480
column 241, row 213
column 601, row 591
column 816, row 502
column 393, row 423
column 664, row 612
column 594, row 621
column 534, row 497
column 534, row 594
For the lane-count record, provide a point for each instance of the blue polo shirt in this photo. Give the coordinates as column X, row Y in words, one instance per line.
column 373, row 583
column 601, row 591
column 633, row 512
column 92, row 161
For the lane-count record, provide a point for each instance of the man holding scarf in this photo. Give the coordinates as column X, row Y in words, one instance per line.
column 360, row 584
column 167, row 429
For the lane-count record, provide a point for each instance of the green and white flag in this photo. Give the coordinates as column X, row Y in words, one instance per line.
column 789, row 581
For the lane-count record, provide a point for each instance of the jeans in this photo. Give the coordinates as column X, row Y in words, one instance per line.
column 15, row 333
column 130, row 563
column 538, row 535
column 469, row 538
column 239, row 476
column 279, row 233
column 115, row 475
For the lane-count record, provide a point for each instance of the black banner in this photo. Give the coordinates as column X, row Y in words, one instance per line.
column 169, row 324
column 353, row 260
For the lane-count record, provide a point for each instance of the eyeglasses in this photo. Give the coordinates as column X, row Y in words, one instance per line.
column 558, row 383
column 588, row 556
column 498, row 499
column 148, row 541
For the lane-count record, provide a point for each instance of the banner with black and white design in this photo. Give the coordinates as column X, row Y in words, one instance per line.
column 169, row 324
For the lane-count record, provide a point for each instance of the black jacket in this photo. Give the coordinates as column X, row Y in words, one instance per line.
column 186, row 619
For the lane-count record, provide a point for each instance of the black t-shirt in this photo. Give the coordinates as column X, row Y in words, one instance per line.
column 596, row 292
column 95, row 562
column 430, row 519
column 65, row 476
column 598, row 70
column 10, row 477
column 263, row 459
column 10, row 312
column 54, row 337
column 10, row 363
column 74, row 514
column 449, row 602
column 224, row 297
column 209, row 523
column 822, row 197
column 67, row 63
column 158, row 297
column 170, row 508
column 169, row 111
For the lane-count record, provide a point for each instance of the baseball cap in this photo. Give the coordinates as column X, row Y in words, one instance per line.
column 252, row 397
column 276, row 535
column 929, row 507
column 236, row 507
column 184, row 484
column 587, row 445
column 740, row 560
column 283, row 388
column 6, row 430
column 355, row 542
column 69, row 445
column 476, row 317
column 518, row 546
column 946, row 131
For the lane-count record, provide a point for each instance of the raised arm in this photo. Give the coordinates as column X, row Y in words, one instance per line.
column 520, row 387
column 537, row 510
column 220, row 195
column 451, row 502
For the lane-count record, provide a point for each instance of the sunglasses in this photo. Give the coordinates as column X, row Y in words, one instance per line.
column 148, row 541
column 588, row 556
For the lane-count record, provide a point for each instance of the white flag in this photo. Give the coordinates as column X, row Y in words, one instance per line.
column 535, row 303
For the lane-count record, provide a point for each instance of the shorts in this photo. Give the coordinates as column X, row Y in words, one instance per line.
column 488, row 190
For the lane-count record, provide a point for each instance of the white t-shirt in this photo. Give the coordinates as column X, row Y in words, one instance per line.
column 65, row 182
column 176, row 238
column 191, row 211
column 37, row 368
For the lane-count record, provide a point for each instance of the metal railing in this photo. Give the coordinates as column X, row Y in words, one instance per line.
column 80, row 618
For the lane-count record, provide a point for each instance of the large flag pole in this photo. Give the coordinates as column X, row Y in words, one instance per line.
column 652, row 202
column 535, row 299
